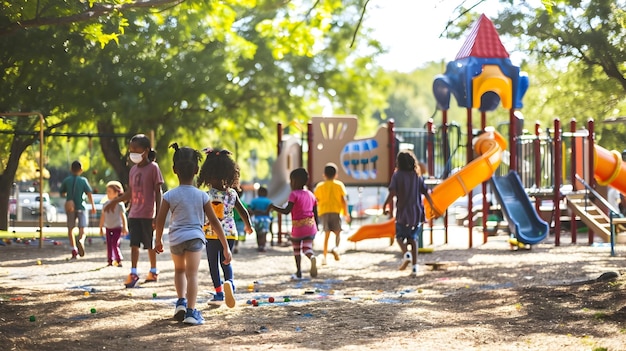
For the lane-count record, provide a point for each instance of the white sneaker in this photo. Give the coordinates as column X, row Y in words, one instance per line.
column 408, row 258
column 415, row 270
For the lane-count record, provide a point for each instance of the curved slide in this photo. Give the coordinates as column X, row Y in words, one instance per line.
column 489, row 146
column 519, row 212
column 609, row 168
column 385, row 229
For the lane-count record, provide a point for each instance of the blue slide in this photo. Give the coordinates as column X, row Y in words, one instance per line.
column 519, row 212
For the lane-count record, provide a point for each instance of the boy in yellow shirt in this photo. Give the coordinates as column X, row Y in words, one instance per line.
column 331, row 203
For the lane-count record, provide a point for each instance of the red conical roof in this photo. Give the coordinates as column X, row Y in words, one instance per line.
column 483, row 41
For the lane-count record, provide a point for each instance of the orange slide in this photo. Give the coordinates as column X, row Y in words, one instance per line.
column 490, row 146
column 385, row 229
column 609, row 168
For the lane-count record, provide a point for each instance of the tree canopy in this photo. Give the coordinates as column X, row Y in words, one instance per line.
column 218, row 73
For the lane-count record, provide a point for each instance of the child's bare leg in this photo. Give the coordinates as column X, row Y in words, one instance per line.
column 134, row 256
column 81, row 233
column 335, row 250
column 70, row 236
column 337, row 238
column 192, row 262
column 180, row 280
column 326, row 238
column 298, row 265
column 402, row 244
column 413, row 244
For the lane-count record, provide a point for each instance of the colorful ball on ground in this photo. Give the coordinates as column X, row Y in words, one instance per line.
column 271, row 299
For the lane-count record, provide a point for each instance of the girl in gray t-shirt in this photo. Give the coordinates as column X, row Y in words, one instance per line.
column 114, row 224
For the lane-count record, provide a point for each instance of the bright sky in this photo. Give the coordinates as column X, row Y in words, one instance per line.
column 410, row 30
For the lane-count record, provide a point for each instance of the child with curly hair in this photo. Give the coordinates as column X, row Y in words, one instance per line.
column 303, row 208
column 188, row 206
column 220, row 173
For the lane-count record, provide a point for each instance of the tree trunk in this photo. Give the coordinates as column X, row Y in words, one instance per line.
column 18, row 146
column 112, row 152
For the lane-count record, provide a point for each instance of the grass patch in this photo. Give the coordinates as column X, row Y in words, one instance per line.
column 48, row 232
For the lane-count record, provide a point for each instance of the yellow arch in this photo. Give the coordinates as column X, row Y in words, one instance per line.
column 492, row 79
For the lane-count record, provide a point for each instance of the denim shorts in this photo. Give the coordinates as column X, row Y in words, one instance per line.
column 193, row 245
column 408, row 232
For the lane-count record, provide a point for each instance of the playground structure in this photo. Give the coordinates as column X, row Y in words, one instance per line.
column 537, row 182
column 482, row 77
column 361, row 161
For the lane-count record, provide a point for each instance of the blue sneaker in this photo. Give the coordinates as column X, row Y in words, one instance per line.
column 193, row 317
column 218, row 299
column 181, row 309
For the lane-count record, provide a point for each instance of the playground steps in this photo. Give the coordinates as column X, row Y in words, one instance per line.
column 547, row 214
column 593, row 217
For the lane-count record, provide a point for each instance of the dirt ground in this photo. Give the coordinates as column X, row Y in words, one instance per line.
column 484, row 298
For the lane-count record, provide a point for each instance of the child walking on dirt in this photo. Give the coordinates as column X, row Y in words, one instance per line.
column 144, row 193
column 114, row 224
column 73, row 188
column 188, row 206
column 303, row 208
column 260, row 207
column 220, row 173
column 407, row 186
column 331, row 203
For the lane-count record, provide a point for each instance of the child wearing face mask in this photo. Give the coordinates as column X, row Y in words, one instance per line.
column 144, row 193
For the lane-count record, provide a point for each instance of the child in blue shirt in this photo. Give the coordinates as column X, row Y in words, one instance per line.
column 260, row 208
